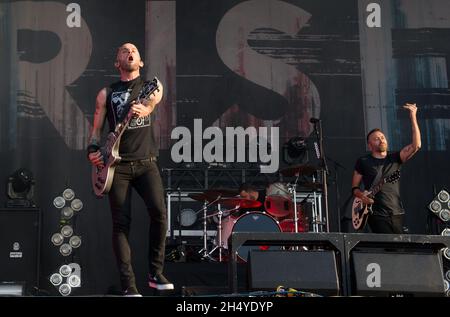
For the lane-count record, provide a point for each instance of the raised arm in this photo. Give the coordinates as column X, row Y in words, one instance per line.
column 408, row 151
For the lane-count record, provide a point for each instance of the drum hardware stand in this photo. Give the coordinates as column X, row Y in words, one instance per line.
column 293, row 191
column 204, row 250
column 219, row 231
column 321, row 156
column 205, row 234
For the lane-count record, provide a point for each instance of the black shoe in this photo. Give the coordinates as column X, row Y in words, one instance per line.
column 131, row 292
column 159, row 282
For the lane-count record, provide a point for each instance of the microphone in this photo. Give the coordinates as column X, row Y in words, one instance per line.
column 314, row 120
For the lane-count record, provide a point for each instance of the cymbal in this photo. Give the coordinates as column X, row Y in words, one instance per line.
column 312, row 186
column 301, row 169
column 220, row 192
column 213, row 194
column 198, row 196
column 241, row 202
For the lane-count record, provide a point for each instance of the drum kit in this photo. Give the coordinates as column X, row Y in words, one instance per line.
column 282, row 213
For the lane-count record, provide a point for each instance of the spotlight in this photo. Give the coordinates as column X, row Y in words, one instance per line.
column 67, row 213
column 65, row 289
column 65, row 270
column 447, row 275
column 56, row 279
column 75, row 241
column 67, row 231
column 444, row 214
column 445, row 232
column 65, row 249
column 440, row 205
column 446, row 253
column 74, row 281
column 57, row 238
column 295, row 151
column 446, row 286
column 187, row 217
column 20, row 189
column 68, row 194
column 76, row 204
column 59, row 202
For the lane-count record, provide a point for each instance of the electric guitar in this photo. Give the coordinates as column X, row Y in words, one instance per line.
column 102, row 177
column 360, row 211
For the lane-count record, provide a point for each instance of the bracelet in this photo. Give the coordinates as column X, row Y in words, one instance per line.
column 353, row 188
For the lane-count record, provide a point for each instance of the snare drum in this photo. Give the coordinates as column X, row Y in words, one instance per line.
column 278, row 201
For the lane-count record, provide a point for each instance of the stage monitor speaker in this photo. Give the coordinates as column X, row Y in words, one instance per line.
column 309, row 271
column 397, row 274
column 19, row 247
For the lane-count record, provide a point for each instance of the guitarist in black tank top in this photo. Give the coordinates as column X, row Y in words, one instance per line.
column 137, row 168
column 387, row 210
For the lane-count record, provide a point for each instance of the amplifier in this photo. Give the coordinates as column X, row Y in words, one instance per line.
column 20, row 246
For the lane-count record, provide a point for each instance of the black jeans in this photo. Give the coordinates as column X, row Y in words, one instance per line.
column 144, row 177
column 380, row 224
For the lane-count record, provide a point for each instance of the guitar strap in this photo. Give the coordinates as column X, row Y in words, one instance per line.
column 380, row 172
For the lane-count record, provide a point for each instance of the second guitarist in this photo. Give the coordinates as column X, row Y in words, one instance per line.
column 388, row 212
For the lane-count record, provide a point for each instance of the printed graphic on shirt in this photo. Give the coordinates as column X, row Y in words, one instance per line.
column 119, row 100
column 139, row 122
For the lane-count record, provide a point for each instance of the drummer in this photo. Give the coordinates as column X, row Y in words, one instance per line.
column 249, row 191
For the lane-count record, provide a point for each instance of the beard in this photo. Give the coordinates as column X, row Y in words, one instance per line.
column 383, row 147
column 129, row 67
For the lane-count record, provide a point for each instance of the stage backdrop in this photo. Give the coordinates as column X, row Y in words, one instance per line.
column 256, row 63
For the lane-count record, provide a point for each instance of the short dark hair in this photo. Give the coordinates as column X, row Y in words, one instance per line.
column 372, row 131
column 247, row 187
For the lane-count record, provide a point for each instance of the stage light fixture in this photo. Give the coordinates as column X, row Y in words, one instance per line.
column 65, row 289
column 446, row 232
column 446, row 253
column 65, row 270
column 57, row 239
column 75, row 241
column 440, row 205
column 66, row 213
column 20, row 189
column 67, row 231
column 444, row 214
column 447, row 275
column 65, row 249
column 56, row 279
column 74, row 281
column 76, row 204
column 295, row 151
column 68, row 194
column 59, row 202
column 446, row 286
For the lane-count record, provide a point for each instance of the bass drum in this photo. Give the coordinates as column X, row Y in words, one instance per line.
column 254, row 221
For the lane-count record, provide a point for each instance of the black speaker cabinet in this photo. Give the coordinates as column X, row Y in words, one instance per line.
column 394, row 274
column 19, row 247
column 395, row 265
column 309, row 271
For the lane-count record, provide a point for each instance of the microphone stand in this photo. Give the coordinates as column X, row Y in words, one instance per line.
column 324, row 171
column 337, row 165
